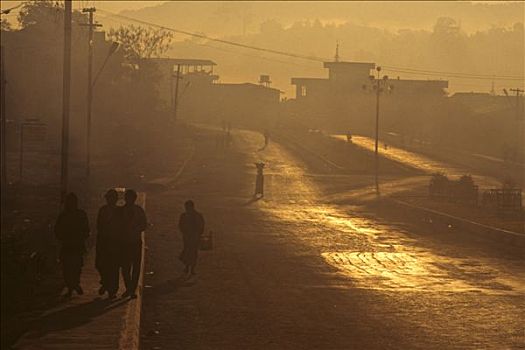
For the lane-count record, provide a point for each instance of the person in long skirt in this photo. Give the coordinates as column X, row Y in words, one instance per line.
column 109, row 233
column 135, row 222
column 72, row 230
column 191, row 224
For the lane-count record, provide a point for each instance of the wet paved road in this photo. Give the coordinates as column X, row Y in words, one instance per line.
column 417, row 160
column 293, row 271
column 400, row 155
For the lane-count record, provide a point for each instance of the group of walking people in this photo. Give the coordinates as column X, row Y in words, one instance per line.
column 119, row 242
column 118, row 247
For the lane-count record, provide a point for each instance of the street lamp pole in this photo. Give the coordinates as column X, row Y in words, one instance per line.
column 114, row 46
column 376, row 148
column 176, row 98
column 521, row 122
column 66, row 91
column 91, row 25
column 3, row 161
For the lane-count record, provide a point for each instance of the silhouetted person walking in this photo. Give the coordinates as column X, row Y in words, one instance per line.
column 109, row 234
column 191, row 224
column 266, row 135
column 72, row 230
column 134, row 223
column 348, row 137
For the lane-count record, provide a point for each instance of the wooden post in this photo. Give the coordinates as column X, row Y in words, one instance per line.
column 21, row 163
column 3, row 130
column 176, row 99
column 66, row 92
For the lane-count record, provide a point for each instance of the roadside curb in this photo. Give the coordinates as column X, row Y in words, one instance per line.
column 473, row 227
column 130, row 334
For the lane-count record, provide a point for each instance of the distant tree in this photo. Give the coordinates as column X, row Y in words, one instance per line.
column 271, row 27
column 5, row 25
column 140, row 42
column 34, row 12
column 45, row 13
column 518, row 27
column 233, row 16
column 448, row 43
column 446, row 26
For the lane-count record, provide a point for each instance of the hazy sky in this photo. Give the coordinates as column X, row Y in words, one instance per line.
column 370, row 31
column 110, row 5
column 392, row 15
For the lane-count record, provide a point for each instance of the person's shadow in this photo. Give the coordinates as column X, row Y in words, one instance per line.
column 252, row 200
column 72, row 317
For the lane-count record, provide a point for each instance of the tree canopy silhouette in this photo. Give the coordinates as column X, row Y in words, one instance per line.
column 141, row 42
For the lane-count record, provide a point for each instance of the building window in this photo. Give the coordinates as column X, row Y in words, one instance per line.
column 303, row 91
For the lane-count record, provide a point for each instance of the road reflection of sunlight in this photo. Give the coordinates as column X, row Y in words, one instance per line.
column 375, row 255
column 406, row 157
column 389, row 260
column 416, row 160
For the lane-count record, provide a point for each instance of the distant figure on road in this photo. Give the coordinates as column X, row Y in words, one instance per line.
column 266, row 135
column 134, row 223
column 259, row 181
column 72, row 230
column 348, row 137
column 109, row 233
column 229, row 139
column 191, row 224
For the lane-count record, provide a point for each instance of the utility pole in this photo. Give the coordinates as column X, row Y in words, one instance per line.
column 379, row 89
column 176, row 99
column 172, row 103
column 376, row 147
column 3, row 131
column 91, row 25
column 518, row 95
column 521, row 121
column 66, row 91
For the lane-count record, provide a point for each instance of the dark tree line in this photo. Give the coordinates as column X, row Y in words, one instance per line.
column 124, row 95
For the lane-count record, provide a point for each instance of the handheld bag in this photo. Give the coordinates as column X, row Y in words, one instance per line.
column 206, row 241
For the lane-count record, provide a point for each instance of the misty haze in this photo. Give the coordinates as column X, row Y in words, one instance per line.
column 262, row 175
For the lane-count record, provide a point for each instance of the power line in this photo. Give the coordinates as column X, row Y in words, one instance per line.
column 254, row 56
column 240, row 53
column 203, row 36
column 452, row 74
column 467, row 74
column 414, row 71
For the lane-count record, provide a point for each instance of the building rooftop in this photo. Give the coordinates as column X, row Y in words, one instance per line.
column 186, row 61
column 349, row 64
column 247, row 85
column 305, row 80
column 440, row 83
column 472, row 93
